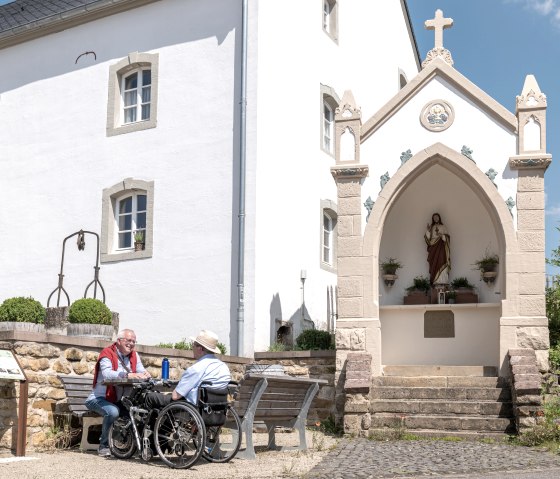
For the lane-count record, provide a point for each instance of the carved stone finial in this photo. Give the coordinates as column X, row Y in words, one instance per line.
column 369, row 206
column 466, row 151
column 405, row 156
column 347, row 109
column 491, row 174
column 510, row 203
column 383, row 179
column 531, row 97
column 438, row 24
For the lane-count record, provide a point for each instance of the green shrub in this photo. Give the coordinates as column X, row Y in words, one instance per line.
column 90, row 311
column 277, row 347
column 222, row 348
column 188, row 345
column 183, row 344
column 315, row 339
column 461, row 282
column 553, row 313
column 421, row 283
column 24, row 310
column 554, row 358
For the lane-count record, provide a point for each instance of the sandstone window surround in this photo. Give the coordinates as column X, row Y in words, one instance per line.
column 133, row 94
column 127, row 207
column 330, row 19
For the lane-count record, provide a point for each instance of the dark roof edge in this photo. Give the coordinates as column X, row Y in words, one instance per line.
column 65, row 20
column 406, row 12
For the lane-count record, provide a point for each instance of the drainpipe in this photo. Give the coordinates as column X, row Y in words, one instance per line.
column 242, row 162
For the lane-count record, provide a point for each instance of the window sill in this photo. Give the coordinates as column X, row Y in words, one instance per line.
column 125, row 255
column 131, row 127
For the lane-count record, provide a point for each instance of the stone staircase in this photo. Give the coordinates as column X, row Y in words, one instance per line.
column 469, row 402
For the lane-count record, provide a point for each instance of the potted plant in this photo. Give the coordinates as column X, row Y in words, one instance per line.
column 451, row 296
column 420, row 284
column 389, row 268
column 463, row 290
column 418, row 291
column 487, row 266
column 139, row 240
column 461, row 283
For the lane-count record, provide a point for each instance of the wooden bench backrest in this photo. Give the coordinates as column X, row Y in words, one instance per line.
column 77, row 390
column 282, row 399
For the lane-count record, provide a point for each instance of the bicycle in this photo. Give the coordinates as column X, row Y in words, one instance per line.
column 179, row 434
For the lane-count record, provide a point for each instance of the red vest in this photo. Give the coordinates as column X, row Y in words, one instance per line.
column 111, row 353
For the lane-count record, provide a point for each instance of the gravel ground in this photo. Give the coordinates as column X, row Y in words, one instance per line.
column 74, row 464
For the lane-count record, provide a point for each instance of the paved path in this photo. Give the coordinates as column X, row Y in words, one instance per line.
column 365, row 459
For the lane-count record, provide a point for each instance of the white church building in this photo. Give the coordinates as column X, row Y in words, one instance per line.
column 269, row 159
column 203, row 127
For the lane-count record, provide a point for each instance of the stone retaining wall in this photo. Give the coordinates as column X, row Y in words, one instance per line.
column 45, row 356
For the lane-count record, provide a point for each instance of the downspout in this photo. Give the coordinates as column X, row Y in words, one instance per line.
column 242, row 168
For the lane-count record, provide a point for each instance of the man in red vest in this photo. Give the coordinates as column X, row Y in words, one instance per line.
column 119, row 360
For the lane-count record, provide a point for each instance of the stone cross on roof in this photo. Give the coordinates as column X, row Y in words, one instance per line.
column 439, row 23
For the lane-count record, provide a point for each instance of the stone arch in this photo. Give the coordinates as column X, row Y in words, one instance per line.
column 469, row 173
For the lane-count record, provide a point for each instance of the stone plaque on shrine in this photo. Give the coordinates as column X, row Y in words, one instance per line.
column 439, row 324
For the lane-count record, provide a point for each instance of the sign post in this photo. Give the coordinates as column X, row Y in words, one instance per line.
column 11, row 370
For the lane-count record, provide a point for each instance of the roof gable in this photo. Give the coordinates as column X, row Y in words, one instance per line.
column 439, row 68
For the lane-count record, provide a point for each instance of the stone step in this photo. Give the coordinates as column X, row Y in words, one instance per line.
column 455, row 393
column 443, row 423
column 464, row 435
column 440, row 381
column 465, row 408
column 434, row 370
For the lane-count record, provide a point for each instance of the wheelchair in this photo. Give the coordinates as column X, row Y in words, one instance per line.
column 180, row 433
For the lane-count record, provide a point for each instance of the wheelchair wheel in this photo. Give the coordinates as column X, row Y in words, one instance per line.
column 223, row 442
column 121, row 438
column 179, row 435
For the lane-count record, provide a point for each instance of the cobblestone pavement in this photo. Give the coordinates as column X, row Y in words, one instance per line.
column 365, row 459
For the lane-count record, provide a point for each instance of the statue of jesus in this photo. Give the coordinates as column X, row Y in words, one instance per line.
column 439, row 255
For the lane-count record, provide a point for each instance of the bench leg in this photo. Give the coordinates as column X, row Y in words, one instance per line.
column 87, row 423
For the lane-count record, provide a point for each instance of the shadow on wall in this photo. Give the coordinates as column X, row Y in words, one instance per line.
column 286, row 332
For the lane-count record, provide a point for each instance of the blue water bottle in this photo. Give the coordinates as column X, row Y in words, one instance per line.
column 165, row 369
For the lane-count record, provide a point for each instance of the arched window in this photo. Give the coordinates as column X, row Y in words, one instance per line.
column 328, row 235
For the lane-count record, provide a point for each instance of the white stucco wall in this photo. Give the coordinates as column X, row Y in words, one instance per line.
column 56, row 160
column 476, row 339
column 293, row 174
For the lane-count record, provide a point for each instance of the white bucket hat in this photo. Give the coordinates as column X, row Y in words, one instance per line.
column 208, row 340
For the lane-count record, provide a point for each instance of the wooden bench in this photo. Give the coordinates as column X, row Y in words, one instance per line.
column 276, row 401
column 77, row 390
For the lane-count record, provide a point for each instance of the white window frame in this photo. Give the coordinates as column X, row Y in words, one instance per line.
column 328, row 127
column 329, row 102
column 328, row 210
column 134, row 63
column 134, row 212
column 139, row 104
column 112, row 197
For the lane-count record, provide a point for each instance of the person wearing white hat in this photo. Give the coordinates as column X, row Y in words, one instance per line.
column 206, row 368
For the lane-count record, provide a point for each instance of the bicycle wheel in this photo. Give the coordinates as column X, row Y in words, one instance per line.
column 121, row 438
column 223, row 442
column 179, row 435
